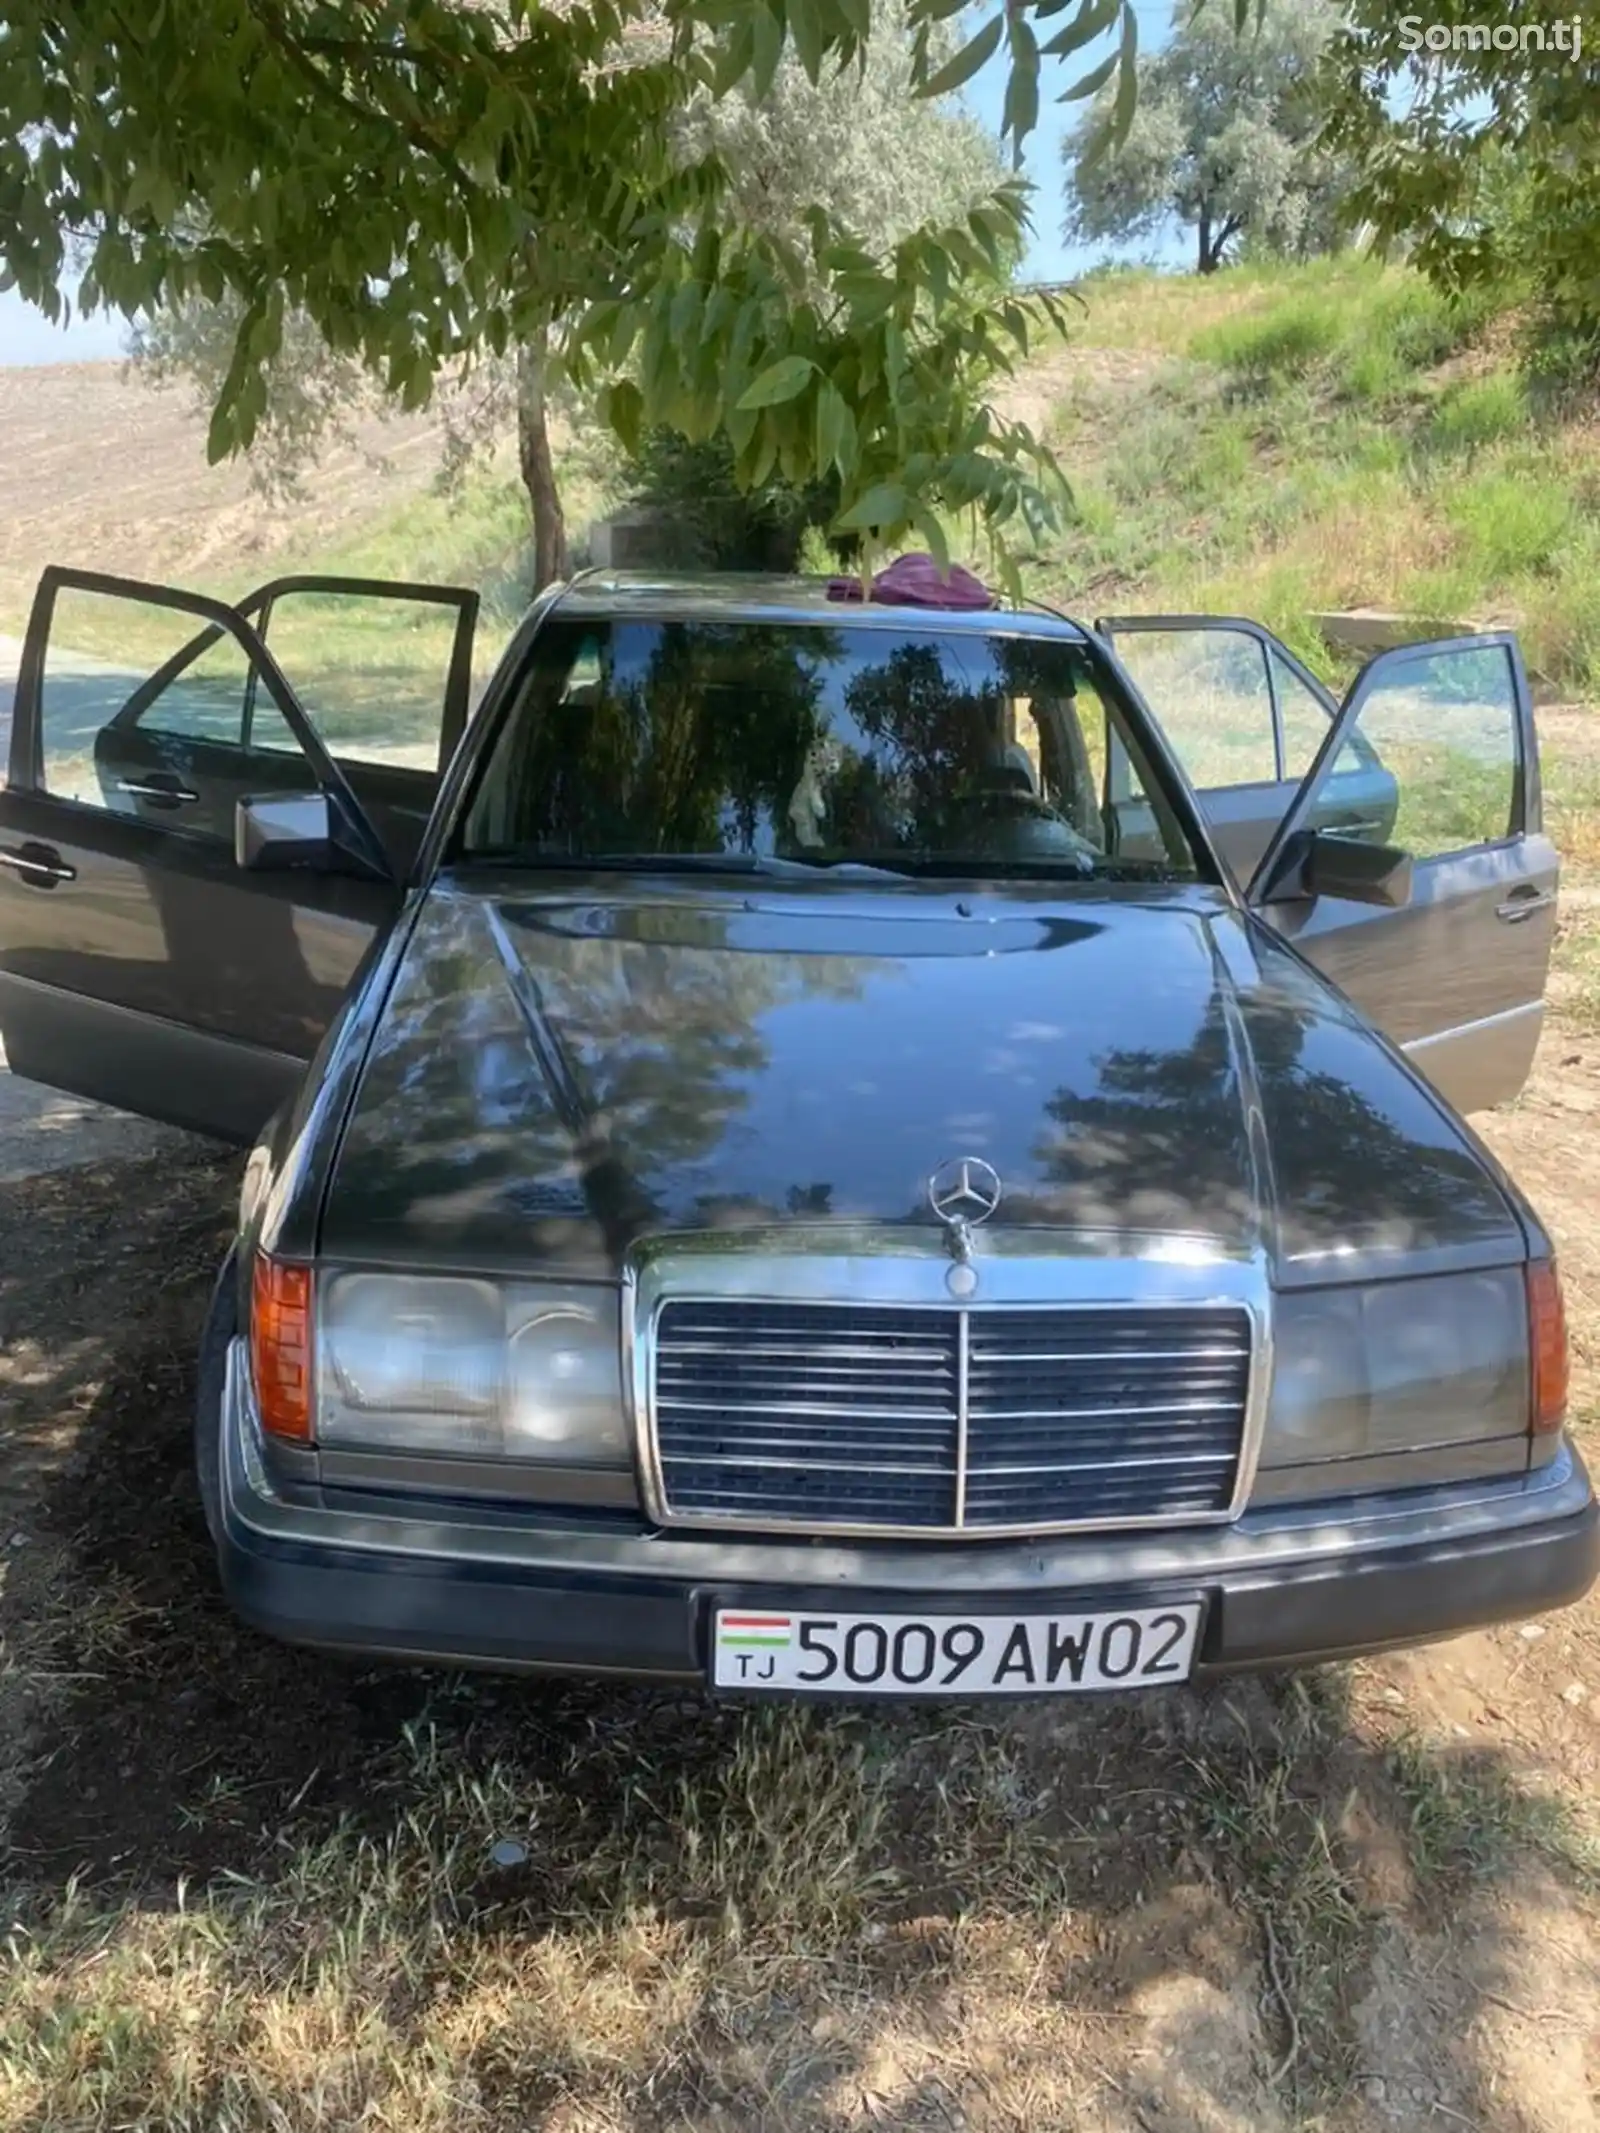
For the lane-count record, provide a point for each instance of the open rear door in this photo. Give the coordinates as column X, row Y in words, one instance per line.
column 382, row 670
column 1208, row 681
column 139, row 962
column 1245, row 719
column 1456, row 974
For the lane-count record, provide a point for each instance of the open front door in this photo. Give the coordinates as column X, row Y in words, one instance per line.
column 139, row 962
column 1456, row 973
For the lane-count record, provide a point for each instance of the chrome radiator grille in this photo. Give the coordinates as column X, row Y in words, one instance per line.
column 826, row 1415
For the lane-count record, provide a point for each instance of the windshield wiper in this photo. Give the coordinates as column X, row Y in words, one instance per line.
column 760, row 864
column 982, row 869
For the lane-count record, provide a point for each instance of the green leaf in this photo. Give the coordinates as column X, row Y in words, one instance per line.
column 685, row 313
column 1021, row 113
column 809, row 31
column 1093, row 19
column 894, row 358
column 766, row 52
column 738, row 58
column 763, row 454
column 833, row 423
column 220, row 433
column 927, row 524
column 1088, row 84
column 883, row 505
column 1128, row 79
column 741, row 425
column 784, row 380
column 956, row 72
column 623, row 406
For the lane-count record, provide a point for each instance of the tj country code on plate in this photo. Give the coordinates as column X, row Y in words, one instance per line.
column 953, row 1655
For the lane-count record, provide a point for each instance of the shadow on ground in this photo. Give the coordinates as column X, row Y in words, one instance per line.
column 256, row 1887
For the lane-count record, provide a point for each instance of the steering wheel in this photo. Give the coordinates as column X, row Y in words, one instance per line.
column 1008, row 821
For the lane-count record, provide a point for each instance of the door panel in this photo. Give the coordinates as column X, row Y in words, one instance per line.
column 1241, row 821
column 1457, row 976
column 175, row 782
column 139, row 964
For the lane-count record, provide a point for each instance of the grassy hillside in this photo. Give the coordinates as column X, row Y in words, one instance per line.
column 1278, row 441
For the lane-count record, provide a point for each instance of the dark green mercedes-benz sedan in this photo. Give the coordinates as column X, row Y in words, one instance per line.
column 820, row 1144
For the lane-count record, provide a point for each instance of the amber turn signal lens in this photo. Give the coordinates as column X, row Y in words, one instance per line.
column 280, row 1347
column 1547, row 1347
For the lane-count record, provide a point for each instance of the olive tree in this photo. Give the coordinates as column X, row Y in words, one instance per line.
column 1224, row 140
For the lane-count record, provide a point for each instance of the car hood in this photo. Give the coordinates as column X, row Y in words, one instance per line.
column 561, row 1071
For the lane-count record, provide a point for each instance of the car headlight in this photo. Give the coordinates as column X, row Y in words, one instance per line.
column 438, row 1363
column 1401, row 1366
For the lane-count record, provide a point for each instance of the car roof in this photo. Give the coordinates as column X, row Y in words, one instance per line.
column 757, row 596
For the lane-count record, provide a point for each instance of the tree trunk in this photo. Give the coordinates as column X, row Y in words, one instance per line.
column 550, row 559
column 1205, row 264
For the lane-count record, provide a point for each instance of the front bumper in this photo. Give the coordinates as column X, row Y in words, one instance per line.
column 466, row 1585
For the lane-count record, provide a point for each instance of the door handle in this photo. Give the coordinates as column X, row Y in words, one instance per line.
column 39, row 864
column 175, row 795
column 1517, row 908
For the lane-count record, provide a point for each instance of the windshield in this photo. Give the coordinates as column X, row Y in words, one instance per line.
column 821, row 745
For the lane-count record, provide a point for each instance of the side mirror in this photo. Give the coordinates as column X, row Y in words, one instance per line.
column 296, row 831
column 1321, row 863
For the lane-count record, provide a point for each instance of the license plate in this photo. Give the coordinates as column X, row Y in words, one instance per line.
column 953, row 1655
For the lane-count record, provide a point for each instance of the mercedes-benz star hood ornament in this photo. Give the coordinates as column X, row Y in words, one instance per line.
column 963, row 1192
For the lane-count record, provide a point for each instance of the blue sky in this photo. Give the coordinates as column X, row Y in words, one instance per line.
column 27, row 337
column 1049, row 257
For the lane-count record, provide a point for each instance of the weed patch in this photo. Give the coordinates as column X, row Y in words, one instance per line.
column 1470, row 1821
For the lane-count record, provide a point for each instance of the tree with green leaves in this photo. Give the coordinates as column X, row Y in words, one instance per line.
column 1478, row 142
column 429, row 181
column 1223, row 142
column 858, row 143
column 880, row 160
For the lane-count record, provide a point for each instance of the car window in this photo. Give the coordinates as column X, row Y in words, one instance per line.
column 906, row 746
column 1443, row 729
column 1209, row 689
column 205, row 702
column 119, row 732
column 372, row 673
column 1306, row 718
column 100, row 652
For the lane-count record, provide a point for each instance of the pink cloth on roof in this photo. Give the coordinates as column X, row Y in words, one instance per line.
column 917, row 581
